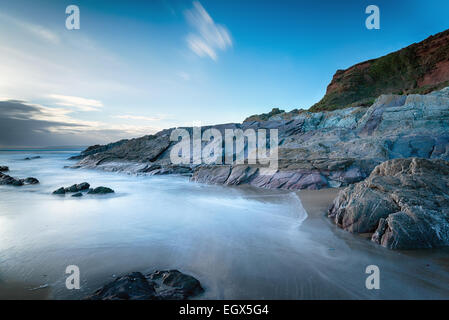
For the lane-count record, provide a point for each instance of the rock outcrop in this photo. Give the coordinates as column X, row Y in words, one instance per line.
column 316, row 149
column 4, row 169
column 419, row 68
column 8, row 180
column 404, row 204
column 76, row 188
column 159, row 285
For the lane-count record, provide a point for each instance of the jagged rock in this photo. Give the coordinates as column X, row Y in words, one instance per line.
column 159, row 285
column 73, row 189
column 100, row 190
column 130, row 287
column 316, row 150
column 78, row 187
column 174, row 285
column 4, row 169
column 8, row 180
column 404, row 203
column 59, row 191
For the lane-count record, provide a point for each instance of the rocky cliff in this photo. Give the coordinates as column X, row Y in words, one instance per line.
column 316, row 149
column 403, row 204
column 419, row 68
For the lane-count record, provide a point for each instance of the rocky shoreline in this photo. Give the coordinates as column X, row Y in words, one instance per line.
column 316, row 150
column 325, row 149
column 403, row 204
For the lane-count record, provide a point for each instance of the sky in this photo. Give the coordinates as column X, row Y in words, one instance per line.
column 136, row 67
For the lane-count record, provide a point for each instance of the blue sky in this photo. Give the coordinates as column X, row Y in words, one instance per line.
column 135, row 67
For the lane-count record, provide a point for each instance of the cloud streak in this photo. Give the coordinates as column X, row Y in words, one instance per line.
column 131, row 117
column 208, row 37
column 24, row 124
column 34, row 29
column 82, row 104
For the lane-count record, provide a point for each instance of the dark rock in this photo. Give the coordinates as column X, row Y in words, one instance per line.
column 159, row 285
column 404, row 203
column 4, row 169
column 8, row 180
column 59, row 191
column 97, row 149
column 77, row 195
column 31, row 180
column 130, row 287
column 73, row 189
column 83, row 186
column 32, row 158
column 100, row 190
column 174, row 285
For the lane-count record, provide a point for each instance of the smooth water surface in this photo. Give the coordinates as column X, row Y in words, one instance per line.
column 241, row 243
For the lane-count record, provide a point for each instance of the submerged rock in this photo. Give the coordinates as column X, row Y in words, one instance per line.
column 32, row 158
column 404, row 204
column 159, row 285
column 100, row 190
column 59, row 191
column 77, row 195
column 8, row 180
column 73, row 189
column 78, row 187
column 4, row 169
column 31, row 180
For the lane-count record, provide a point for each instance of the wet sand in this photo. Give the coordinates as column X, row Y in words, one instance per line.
column 23, row 291
column 239, row 242
column 316, row 202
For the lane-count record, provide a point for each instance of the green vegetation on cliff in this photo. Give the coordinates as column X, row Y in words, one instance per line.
column 419, row 68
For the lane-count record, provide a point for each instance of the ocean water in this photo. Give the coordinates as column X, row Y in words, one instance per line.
column 241, row 243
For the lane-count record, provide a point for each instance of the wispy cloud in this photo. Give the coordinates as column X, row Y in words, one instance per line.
column 34, row 29
column 82, row 104
column 132, row 117
column 208, row 37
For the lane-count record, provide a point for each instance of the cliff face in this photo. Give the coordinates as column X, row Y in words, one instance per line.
column 316, row 149
column 419, row 68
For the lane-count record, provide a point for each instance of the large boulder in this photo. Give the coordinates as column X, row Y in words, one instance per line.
column 159, row 285
column 4, row 169
column 404, row 204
